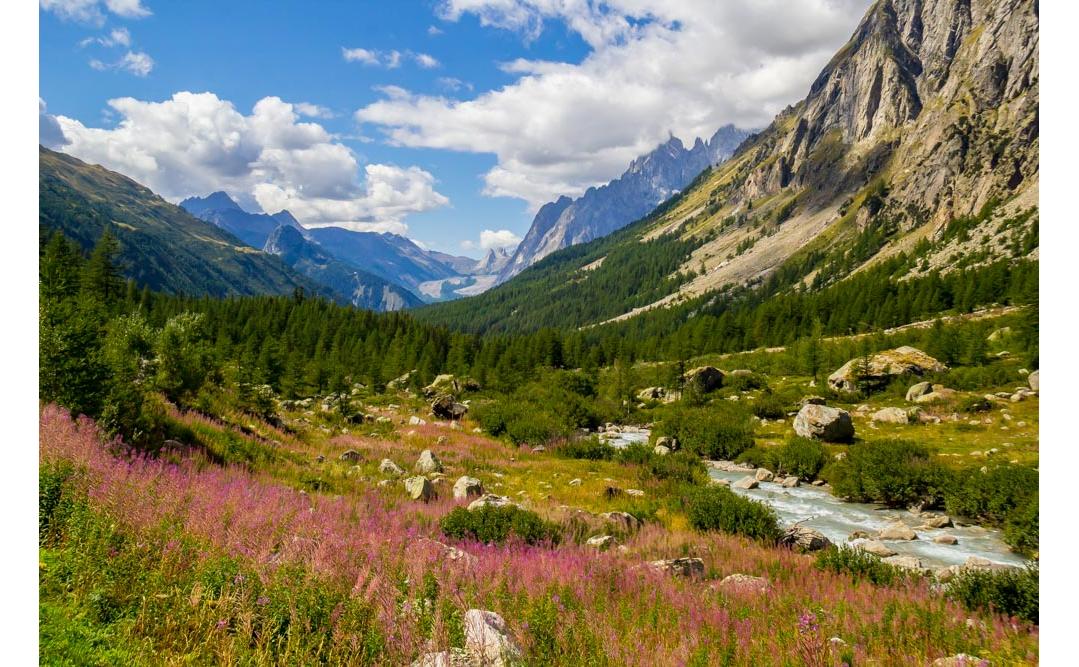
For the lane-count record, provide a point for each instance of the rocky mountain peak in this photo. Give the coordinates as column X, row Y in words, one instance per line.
column 215, row 201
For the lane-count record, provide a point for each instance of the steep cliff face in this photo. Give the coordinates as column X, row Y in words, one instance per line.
column 649, row 180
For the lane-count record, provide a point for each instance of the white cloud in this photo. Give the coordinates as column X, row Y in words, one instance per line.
column 452, row 83
column 49, row 133
column 503, row 238
column 313, row 110
column 388, row 59
column 135, row 62
column 116, row 37
column 656, row 67
column 195, row 143
column 93, row 11
column 425, row 61
column 433, row 30
column 358, row 55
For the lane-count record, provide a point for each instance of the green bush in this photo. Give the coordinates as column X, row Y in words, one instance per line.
column 802, row 457
column 744, row 382
column 761, row 457
column 896, row 473
column 770, row 406
column 1010, row 591
column 496, row 524
column 677, row 467
column 860, row 565
column 717, row 508
column 590, row 449
column 1021, row 527
column 1005, row 496
column 973, row 404
column 715, row 432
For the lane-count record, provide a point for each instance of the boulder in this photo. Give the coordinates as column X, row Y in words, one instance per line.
column 668, row 442
column 812, row 400
column 882, row 367
column 897, row 531
column 1033, row 380
column 704, row 379
column 742, row 584
column 746, row 483
column 891, row 416
column 876, row 548
column 937, row 520
column 790, row 482
column 427, row 463
column 419, row 488
column 906, row 563
column 946, row 539
column 444, row 383
column 764, row 475
column 446, row 407
column 622, row 520
column 487, row 637
column 661, row 450
column 939, row 393
column 804, row 539
column 602, row 542
column 388, row 467
column 636, row 493
column 489, row 500
column 959, row 660
column 679, row 567
column 918, row 389
column 350, row 455
column 467, row 487
column 824, row 423
column 415, row 421
column 651, row 394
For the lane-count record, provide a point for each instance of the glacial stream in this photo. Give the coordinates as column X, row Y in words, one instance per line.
column 837, row 519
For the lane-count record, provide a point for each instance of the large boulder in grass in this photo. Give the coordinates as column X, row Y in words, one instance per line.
column 427, row 463
column 704, row 379
column 489, row 500
column 824, row 423
column 419, row 488
column 388, row 467
column 882, row 368
column 743, row 584
column 622, row 520
column 804, row 539
column 938, row 393
column 488, row 638
column 891, row 416
column 1034, row 380
column 445, row 406
column 679, row 567
column 467, row 487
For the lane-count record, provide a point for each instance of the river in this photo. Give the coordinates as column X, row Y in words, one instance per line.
column 836, row 519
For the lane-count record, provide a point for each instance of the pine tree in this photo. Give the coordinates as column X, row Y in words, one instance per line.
column 101, row 280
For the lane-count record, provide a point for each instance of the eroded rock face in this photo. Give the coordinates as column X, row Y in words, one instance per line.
column 824, row 423
column 882, row 368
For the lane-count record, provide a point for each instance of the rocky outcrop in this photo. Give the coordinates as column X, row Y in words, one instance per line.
column 881, row 368
column 824, row 423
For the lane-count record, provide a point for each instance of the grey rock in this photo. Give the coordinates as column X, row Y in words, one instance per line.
column 467, row 487
column 824, row 423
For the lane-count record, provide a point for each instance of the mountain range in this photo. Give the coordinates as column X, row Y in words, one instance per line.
column 649, row 180
column 919, row 138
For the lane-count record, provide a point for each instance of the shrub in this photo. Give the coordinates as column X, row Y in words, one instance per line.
column 802, row 457
column 496, row 524
column 992, row 495
column 860, row 565
column 770, row 406
column 973, row 404
column 717, row 508
column 716, row 432
column 1021, row 528
column 590, row 449
column 1011, row 591
column 744, row 381
column 891, row 472
column 761, row 457
column 678, row 467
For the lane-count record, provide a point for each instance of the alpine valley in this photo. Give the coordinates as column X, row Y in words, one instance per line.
column 766, row 398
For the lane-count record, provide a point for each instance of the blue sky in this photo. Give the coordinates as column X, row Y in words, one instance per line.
column 451, row 122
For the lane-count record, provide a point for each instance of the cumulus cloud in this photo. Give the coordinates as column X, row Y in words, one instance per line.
column 49, row 133
column 116, row 37
column 425, row 61
column 655, row 67
column 94, row 11
column 503, row 238
column 195, row 143
column 313, row 110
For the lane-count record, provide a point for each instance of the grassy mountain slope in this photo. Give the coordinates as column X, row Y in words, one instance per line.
column 162, row 246
column 920, row 136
